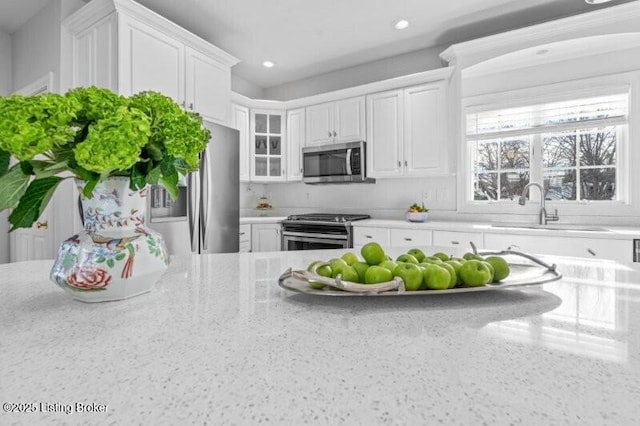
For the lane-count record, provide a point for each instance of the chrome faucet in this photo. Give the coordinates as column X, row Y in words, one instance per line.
column 544, row 217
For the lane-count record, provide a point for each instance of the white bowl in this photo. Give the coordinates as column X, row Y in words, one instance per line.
column 416, row 217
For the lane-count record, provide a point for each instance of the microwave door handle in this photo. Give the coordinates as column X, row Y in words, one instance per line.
column 349, row 172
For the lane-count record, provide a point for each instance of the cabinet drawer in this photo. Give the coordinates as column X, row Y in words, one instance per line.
column 364, row 235
column 245, row 233
column 598, row 248
column 410, row 237
column 457, row 239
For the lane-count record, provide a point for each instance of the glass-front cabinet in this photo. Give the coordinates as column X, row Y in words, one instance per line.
column 267, row 145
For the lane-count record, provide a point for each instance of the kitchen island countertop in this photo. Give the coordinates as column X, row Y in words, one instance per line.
column 219, row 342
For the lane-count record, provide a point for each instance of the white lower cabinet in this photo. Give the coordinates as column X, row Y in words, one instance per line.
column 457, row 239
column 410, row 237
column 599, row 248
column 364, row 235
column 245, row 238
column 265, row 237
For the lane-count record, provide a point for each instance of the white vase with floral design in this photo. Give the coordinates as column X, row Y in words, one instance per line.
column 116, row 256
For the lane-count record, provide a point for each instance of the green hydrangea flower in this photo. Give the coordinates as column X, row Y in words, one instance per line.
column 32, row 125
column 97, row 103
column 114, row 143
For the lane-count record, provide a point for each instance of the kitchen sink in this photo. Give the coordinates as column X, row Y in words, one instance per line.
column 553, row 226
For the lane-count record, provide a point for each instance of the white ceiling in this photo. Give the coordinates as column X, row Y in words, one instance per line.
column 311, row 37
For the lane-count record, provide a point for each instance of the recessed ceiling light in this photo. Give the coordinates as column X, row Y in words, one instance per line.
column 401, row 24
column 597, row 1
column 268, row 64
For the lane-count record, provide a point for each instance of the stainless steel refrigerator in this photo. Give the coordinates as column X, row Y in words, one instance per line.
column 205, row 218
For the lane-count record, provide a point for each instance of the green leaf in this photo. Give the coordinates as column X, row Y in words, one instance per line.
column 155, row 150
column 90, row 185
column 120, row 256
column 4, row 162
column 154, row 176
column 170, row 183
column 110, row 263
column 12, row 186
column 137, row 180
column 33, row 202
column 26, row 167
column 100, row 259
column 43, row 169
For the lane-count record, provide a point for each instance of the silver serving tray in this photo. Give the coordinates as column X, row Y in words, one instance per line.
column 526, row 270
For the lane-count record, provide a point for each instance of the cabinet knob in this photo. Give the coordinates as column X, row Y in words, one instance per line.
column 42, row 225
column 408, row 239
column 191, row 106
column 399, row 164
column 300, row 169
column 282, row 172
column 591, row 252
column 329, row 134
column 368, row 236
column 455, row 243
column 405, row 163
column 334, row 134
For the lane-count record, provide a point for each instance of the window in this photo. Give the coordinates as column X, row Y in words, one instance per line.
column 571, row 146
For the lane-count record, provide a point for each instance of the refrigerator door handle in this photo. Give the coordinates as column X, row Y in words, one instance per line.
column 193, row 211
column 205, row 178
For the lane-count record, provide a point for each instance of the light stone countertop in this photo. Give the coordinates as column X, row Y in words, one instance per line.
column 261, row 219
column 553, row 229
column 219, row 342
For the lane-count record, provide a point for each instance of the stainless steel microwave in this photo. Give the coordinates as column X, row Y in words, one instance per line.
column 335, row 163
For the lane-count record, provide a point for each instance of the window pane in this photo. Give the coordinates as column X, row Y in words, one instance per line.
column 514, row 154
column 261, row 123
column 486, row 156
column 598, row 184
column 598, row 147
column 274, row 145
column 512, row 184
column 261, row 145
column 486, row 186
column 560, row 184
column 559, row 150
column 274, row 167
column 261, row 166
column 274, row 124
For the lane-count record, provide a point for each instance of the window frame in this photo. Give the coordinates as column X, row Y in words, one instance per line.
column 628, row 152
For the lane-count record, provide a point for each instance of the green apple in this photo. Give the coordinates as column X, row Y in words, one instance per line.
column 431, row 259
column 336, row 266
column 442, row 256
column 500, row 267
column 350, row 258
column 411, row 274
column 408, row 258
column 452, row 272
column 493, row 272
column 377, row 274
column 475, row 273
column 361, row 268
column 323, row 271
column 349, row 273
column 389, row 264
column 472, row 256
column 459, row 259
column 312, row 268
column 417, row 253
column 456, row 267
column 435, row 277
column 373, row 253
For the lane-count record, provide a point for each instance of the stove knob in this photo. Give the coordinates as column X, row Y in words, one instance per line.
column 342, row 219
column 336, row 219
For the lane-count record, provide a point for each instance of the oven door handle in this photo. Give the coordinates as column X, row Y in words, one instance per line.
column 349, row 171
column 315, row 236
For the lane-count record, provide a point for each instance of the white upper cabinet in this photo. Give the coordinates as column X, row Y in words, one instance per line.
column 127, row 48
column 384, row 134
column 240, row 120
column 407, row 131
column 338, row 121
column 295, row 142
column 268, row 152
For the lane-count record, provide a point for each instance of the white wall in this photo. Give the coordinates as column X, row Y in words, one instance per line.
column 245, row 87
column 395, row 66
column 5, row 64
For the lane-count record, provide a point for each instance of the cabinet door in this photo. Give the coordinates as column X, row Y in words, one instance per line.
column 384, row 134
column 265, row 237
column 208, row 87
column 319, row 124
column 410, row 237
column 150, row 60
column 349, row 120
column 424, row 129
column 95, row 55
column 459, row 240
column 267, row 146
column 364, row 234
column 295, row 141
column 245, row 238
column 240, row 121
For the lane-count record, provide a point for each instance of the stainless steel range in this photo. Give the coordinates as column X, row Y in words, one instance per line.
column 319, row 231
